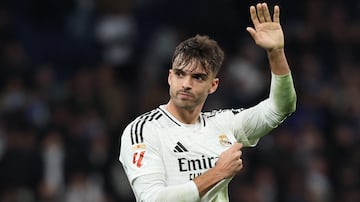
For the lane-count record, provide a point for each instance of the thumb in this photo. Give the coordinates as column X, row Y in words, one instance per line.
column 237, row 146
column 252, row 32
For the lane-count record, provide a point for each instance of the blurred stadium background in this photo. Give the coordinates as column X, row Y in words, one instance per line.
column 73, row 73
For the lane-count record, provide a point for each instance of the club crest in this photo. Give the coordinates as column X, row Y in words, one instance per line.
column 224, row 140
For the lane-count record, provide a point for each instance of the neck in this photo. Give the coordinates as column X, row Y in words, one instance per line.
column 184, row 115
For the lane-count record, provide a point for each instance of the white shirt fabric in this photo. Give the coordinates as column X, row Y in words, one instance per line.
column 161, row 155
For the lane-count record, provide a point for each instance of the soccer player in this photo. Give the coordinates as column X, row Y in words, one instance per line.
column 176, row 152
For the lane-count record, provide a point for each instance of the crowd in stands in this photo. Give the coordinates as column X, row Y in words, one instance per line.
column 73, row 73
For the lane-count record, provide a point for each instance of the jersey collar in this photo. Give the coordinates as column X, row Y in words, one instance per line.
column 179, row 123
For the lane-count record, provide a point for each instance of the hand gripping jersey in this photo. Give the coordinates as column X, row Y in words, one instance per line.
column 156, row 144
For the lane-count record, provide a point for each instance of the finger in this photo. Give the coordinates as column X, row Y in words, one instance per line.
column 260, row 13
column 237, row 146
column 266, row 12
column 237, row 155
column 239, row 165
column 253, row 16
column 276, row 14
column 252, row 32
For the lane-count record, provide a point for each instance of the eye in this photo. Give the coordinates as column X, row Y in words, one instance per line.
column 200, row 77
column 179, row 73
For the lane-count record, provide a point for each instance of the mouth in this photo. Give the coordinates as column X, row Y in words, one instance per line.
column 185, row 94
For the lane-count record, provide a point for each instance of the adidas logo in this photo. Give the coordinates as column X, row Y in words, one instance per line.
column 180, row 148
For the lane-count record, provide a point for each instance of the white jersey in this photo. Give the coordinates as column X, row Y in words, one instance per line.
column 157, row 143
column 161, row 155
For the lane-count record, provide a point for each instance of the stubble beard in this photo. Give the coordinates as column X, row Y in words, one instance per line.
column 186, row 104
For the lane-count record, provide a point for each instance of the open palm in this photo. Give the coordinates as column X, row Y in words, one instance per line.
column 267, row 32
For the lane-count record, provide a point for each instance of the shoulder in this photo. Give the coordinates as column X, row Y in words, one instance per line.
column 148, row 117
column 220, row 117
column 143, row 125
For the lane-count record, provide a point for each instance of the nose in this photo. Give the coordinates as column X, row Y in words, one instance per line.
column 187, row 83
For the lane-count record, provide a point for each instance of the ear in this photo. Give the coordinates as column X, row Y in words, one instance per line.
column 214, row 85
column 169, row 76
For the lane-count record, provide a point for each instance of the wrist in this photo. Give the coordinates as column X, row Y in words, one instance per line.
column 275, row 52
column 218, row 174
column 208, row 180
column 278, row 62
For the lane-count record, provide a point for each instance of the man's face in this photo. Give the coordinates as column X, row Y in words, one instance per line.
column 190, row 85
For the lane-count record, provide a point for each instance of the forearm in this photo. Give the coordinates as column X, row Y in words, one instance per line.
column 208, row 180
column 190, row 191
column 278, row 61
column 282, row 93
column 262, row 118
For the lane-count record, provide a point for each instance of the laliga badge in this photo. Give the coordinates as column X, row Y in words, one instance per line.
column 139, row 146
column 224, row 140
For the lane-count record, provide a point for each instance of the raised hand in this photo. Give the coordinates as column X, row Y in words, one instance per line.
column 267, row 32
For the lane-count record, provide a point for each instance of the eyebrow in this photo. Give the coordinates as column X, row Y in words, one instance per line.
column 195, row 74
column 202, row 75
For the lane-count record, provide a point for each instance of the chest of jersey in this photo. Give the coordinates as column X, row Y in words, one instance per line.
column 189, row 152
